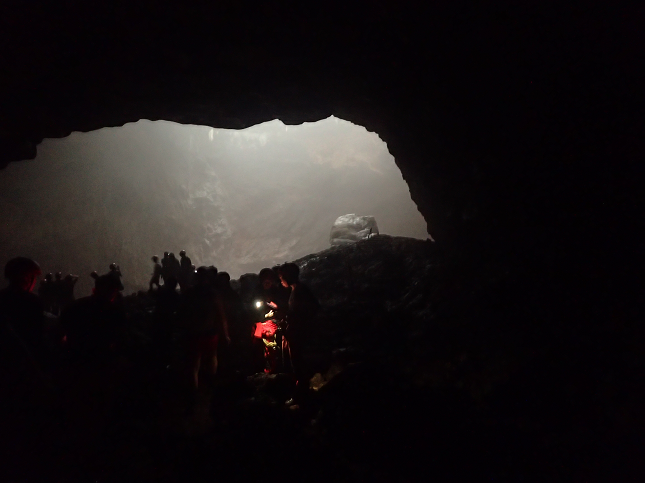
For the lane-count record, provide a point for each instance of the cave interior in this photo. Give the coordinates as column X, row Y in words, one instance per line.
column 518, row 129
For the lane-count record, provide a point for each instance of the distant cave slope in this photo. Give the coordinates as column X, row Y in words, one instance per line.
column 499, row 117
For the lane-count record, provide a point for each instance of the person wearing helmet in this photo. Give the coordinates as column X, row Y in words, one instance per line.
column 115, row 273
column 185, row 260
column 94, row 330
column 29, row 404
column 174, row 267
column 165, row 266
column 20, row 308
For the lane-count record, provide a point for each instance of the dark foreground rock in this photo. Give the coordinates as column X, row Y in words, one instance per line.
column 423, row 374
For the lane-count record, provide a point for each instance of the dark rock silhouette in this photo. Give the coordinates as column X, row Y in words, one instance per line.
column 411, row 359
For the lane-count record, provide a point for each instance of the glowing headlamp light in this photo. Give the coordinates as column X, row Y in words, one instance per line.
column 258, row 304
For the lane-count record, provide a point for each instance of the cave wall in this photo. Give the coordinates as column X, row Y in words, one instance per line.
column 503, row 119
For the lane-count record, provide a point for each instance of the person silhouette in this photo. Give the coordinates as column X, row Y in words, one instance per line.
column 303, row 307
column 21, row 309
column 156, row 273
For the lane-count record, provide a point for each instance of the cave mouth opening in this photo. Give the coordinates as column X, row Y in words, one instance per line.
column 238, row 199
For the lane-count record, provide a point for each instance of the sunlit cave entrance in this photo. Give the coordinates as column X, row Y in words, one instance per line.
column 240, row 200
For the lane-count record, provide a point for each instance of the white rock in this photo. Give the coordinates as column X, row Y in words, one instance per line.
column 352, row 228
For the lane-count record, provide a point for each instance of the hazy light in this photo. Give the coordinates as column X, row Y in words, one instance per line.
column 241, row 200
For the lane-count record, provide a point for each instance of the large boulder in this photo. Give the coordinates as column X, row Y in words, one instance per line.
column 352, row 228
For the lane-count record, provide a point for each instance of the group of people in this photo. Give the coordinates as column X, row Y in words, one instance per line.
column 197, row 314
column 58, row 292
column 169, row 268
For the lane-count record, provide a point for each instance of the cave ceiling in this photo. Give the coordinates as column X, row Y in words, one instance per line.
column 486, row 109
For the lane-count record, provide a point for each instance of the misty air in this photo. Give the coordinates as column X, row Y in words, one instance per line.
column 240, row 200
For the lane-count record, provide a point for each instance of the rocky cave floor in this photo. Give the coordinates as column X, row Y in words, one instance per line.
column 424, row 372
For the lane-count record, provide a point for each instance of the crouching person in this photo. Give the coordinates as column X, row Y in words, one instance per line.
column 302, row 309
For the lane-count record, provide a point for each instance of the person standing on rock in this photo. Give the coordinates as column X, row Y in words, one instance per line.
column 115, row 272
column 156, row 273
column 165, row 266
column 185, row 270
column 303, row 307
column 185, row 260
column 174, row 268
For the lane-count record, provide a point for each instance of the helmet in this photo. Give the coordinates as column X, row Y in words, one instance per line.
column 22, row 272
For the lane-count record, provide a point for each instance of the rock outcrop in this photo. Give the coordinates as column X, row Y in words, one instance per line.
column 352, row 228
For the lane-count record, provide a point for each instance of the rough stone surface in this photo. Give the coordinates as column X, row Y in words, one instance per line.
column 352, row 228
column 494, row 114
